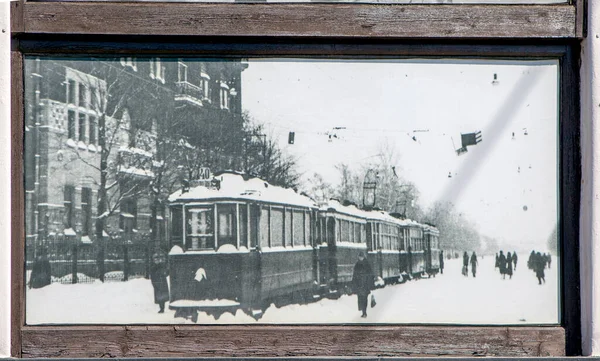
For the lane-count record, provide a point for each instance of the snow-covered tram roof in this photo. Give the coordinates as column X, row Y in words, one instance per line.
column 431, row 229
column 236, row 187
column 333, row 205
column 382, row 216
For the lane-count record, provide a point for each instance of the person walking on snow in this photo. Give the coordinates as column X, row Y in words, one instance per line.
column 509, row 265
column 442, row 262
column 158, row 276
column 362, row 282
column 474, row 264
column 465, row 269
column 502, row 264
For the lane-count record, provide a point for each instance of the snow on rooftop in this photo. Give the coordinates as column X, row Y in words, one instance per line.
column 370, row 215
column 236, row 187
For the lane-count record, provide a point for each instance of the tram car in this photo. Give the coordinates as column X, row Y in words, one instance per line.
column 242, row 243
column 239, row 244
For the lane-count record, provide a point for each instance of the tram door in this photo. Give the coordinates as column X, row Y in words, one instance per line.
column 331, row 248
column 427, row 252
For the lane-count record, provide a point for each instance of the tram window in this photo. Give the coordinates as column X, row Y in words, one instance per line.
column 227, row 224
column 288, row 228
column 276, row 227
column 357, row 238
column 307, row 233
column 264, row 227
column 176, row 225
column 199, row 228
column 243, row 224
column 298, row 225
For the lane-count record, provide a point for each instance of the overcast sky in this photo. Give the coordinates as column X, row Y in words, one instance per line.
column 506, row 185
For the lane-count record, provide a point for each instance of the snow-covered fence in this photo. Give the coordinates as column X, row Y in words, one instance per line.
column 76, row 261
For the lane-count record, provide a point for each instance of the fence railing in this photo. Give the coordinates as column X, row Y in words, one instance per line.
column 75, row 262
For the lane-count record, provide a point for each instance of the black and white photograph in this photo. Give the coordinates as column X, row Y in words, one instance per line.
column 313, row 190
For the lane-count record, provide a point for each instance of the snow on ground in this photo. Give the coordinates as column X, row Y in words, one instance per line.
column 450, row 298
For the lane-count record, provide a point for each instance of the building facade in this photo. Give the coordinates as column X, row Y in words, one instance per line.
column 106, row 141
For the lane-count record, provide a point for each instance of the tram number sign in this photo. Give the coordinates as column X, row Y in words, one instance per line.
column 204, row 173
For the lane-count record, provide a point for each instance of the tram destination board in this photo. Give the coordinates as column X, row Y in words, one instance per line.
column 291, row 191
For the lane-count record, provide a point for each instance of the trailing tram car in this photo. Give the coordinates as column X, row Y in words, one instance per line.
column 432, row 250
column 341, row 236
column 240, row 243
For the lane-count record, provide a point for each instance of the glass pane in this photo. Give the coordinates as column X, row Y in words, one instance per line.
column 367, row 151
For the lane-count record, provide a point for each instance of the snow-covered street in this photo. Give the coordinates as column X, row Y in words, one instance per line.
column 450, row 298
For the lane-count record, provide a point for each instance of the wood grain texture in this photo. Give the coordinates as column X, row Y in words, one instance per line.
column 303, row 20
column 17, row 206
column 287, row 341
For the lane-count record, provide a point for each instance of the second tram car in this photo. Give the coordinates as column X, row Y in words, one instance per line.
column 241, row 243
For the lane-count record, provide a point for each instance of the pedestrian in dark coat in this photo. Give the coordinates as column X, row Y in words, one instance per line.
column 539, row 265
column 362, row 282
column 158, row 276
column 530, row 261
column 509, row 265
column 41, row 272
column 465, row 269
column 474, row 264
column 515, row 258
column 442, row 262
column 549, row 257
column 502, row 264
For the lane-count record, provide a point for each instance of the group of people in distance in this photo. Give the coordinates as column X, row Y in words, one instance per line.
column 466, row 261
column 537, row 262
column 506, row 263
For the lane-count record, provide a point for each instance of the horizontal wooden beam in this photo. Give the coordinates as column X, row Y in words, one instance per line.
column 340, row 20
column 288, row 341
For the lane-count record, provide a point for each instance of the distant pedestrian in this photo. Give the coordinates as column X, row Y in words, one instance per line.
column 515, row 258
column 539, row 265
column 474, row 264
column 531, row 260
column 509, row 265
column 41, row 274
column 442, row 262
column 549, row 260
column 497, row 264
column 362, row 282
column 465, row 269
column 158, row 276
column 502, row 264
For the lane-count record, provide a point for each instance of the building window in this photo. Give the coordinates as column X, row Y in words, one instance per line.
column 82, row 132
column 94, row 99
column 205, row 85
column 71, row 124
column 72, row 92
column 86, row 210
column 128, row 217
column 157, row 70
column 68, row 204
column 181, row 72
column 224, row 96
column 83, row 96
column 92, row 126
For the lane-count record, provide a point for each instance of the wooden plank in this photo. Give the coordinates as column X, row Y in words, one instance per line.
column 581, row 19
column 570, row 198
column 16, row 16
column 303, row 20
column 291, row 341
column 18, row 206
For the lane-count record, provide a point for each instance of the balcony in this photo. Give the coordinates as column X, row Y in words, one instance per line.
column 188, row 92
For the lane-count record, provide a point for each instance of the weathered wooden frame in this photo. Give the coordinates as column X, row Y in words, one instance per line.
column 467, row 31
